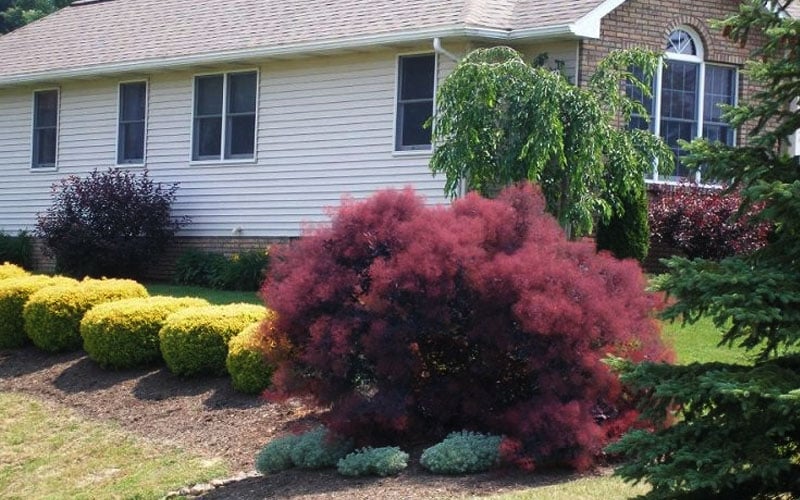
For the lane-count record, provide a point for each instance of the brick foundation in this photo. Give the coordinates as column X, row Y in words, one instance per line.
column 163, row 268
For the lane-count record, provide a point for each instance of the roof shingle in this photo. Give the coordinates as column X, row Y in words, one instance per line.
column 101, row 33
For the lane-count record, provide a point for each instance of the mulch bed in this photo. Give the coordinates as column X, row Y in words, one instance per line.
column 205, row 416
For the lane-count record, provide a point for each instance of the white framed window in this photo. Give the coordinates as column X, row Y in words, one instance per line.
column 224, row 122
column 687, row 95
column 132, row 119
column 44, row 139
column 416, row 81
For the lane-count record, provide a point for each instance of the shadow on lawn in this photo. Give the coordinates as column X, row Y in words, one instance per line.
column 414, row 483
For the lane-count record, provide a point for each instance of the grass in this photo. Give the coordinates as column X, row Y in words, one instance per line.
column 213, row 296
column 47, row 451
column 585, row 488
column 699, row 342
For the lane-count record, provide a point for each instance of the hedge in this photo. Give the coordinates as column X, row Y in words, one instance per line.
column 195, row 341
column 53, row 315
column 124, row 334
column 246, row 363
column 14, row 293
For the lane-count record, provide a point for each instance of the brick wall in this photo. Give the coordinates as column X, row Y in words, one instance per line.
column 163, row 268
column 648, row 23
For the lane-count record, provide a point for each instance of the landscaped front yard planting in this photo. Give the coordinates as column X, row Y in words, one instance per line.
column 154, row 404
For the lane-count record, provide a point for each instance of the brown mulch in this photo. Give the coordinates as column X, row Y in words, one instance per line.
column 205, row 416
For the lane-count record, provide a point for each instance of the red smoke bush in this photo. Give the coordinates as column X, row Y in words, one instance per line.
column 410, row 321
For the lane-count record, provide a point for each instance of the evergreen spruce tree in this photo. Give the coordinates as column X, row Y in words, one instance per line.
column 735, row 429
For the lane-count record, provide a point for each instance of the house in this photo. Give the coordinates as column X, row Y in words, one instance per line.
column 268, row 111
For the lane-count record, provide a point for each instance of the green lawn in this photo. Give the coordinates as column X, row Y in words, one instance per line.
column 213, row 296
column 46, row 451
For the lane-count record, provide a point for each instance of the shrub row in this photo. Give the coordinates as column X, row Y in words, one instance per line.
column 120, row 326
column 14, row 293
column 459, row 453
column 124, row 334
column 53, row 315
column 242, row 271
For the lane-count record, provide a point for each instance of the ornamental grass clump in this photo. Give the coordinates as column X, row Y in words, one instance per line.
column 195, row 341
column 53, row 315
column 384, row 461
column 315, row 449
column 124, row 334
column 14, row 293
column 463, row 453
column 9, row 270
column 408, row 322
column 246, row 361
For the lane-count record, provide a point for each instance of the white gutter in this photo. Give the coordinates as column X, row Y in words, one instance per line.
column 180, row 62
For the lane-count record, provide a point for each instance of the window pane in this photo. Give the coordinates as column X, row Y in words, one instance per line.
column 411, row 117
column 132, row 142
column 681, row 42
column 720, row 88
column 207, row 137
column 416, row 77
column 672, row 131
column 133, row 97
column 242, row 93
column 679, row 90
column 46, row 108
column 44, row 153
column 241, row 136
column 208, row 95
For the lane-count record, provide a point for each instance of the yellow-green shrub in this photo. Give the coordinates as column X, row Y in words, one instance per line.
column 246, row 364
column 14, row 292
column 53, row 315
column 9, row 270
column 124, row 333
column 195, row 341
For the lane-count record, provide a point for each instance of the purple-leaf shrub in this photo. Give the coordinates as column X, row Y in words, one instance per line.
column 705, row 222
column 110, row 223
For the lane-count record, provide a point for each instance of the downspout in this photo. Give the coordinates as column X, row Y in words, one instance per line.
column 437, row 47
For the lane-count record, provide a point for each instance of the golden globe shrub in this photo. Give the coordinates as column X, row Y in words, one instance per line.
column 195, row 341
column 246, row 364
column 53, row 315
column 14, row 293
column 9, row 270
column 124, row 333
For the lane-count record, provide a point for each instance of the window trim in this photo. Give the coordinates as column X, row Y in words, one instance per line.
column 419, row 151
column 700, row 60
column 223, row 129
column 54, row 167
column 143, row 163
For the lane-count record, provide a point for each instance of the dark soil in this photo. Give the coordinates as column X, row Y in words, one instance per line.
column 205, row 416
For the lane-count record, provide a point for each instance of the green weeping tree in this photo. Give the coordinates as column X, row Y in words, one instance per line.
column 736, row 430
column 501, row 120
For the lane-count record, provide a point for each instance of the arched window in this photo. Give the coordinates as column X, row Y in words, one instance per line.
column 688, row 92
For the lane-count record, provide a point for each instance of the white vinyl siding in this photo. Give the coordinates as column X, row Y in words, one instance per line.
column 325, row 130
